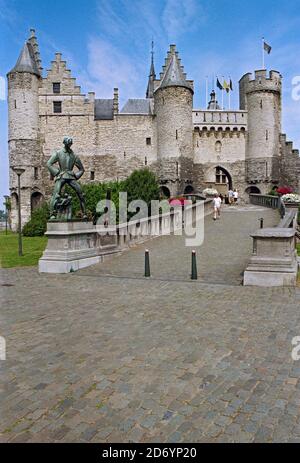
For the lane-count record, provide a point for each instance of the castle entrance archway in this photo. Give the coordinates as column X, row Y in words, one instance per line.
column 253, row 190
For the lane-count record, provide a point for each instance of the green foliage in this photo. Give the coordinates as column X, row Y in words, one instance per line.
column 37, row 225
column 142, row 184
column 273, row 193
column 95, row 192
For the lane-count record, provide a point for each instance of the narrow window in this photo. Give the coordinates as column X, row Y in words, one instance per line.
column 267, row 135
column 261, row 104
column 56, row 87
column 176, row 134
column 146, row 161
column 36, row 173
column 92, row 175
column 177, row 169
column 148, row 141
column 124, row 155
column 15, row 104
column 57, row 107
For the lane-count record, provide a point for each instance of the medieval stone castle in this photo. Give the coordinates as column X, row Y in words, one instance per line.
column 189, row 149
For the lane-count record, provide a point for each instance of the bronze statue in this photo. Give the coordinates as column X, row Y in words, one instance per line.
column 64, row 175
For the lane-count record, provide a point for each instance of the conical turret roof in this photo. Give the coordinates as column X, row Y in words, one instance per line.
column 173, row 74
column 26, row 61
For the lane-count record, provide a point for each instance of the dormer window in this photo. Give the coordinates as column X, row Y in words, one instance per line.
column 56, row 87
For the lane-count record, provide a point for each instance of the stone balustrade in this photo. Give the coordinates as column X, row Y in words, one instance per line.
column 76, row 244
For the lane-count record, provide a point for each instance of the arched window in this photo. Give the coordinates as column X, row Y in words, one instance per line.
column 165, row 192
column 37, row 199
column 218, row 146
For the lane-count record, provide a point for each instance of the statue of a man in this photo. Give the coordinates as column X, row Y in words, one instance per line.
column 64, row 174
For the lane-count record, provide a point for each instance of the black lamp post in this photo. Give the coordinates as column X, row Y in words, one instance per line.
column 19, row 171
column 6, row 211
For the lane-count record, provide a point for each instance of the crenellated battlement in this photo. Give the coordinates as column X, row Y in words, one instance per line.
column 262, row 82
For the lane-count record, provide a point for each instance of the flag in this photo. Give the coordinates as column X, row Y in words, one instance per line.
column 267, row 48
column 231, row 85
column 226, row 86
column 219, row 85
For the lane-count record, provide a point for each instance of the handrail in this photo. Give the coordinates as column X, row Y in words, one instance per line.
column 272, row 202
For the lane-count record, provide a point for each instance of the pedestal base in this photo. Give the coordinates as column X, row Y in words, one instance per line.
column 73, row 246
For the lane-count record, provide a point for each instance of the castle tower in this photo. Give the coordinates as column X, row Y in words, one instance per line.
column 23, row 128
column 173, row 104
column 262, row 98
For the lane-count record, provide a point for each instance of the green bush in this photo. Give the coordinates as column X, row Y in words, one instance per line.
column 95, row 192
column 142, row 184
column 37, row 225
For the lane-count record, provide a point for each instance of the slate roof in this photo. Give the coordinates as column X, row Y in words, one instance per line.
column 137, row 106
column 26, row 61
column 174, row 76
column 104, row 109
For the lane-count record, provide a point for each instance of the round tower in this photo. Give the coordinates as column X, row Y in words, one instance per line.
column 23, row 127
column 261, row 97
column 173, row 104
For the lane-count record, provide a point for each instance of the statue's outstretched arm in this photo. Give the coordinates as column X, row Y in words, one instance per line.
column 53, row 170
column 80, row 168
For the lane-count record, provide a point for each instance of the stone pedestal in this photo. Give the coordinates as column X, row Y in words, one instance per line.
column 274, row 261
column 72, row 246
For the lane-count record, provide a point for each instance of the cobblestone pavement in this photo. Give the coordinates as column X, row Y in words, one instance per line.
column 95, row 358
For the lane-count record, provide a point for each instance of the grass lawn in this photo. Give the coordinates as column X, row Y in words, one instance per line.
column 33, row 249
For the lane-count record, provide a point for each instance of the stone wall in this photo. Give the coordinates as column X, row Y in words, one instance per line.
column 289, row 165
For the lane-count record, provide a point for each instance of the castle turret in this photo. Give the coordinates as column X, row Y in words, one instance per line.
column 261, row 97
column 23, row 132
column 173, row 104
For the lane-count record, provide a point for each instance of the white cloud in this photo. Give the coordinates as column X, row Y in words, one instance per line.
column 183, row 16
column 108, row 68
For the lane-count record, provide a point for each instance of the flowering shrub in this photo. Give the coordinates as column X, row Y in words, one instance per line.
column 291, row 198
column 210, row 192
column 284, row 190
column 182, row 201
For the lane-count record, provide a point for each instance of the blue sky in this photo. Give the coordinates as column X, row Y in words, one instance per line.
column 107, row 44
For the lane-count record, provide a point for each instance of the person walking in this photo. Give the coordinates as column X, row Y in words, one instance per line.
column 231, row 197
column 235, row 196
column 217, row 202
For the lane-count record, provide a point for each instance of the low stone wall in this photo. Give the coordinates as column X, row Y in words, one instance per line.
column 75, row 245
column 274, row 261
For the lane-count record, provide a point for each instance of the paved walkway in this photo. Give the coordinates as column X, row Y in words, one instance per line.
column 99, row 358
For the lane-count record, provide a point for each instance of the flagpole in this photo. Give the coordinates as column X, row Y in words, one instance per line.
column 223, row 95
column 206, row 90
column 229, row 95
column 263, row 52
